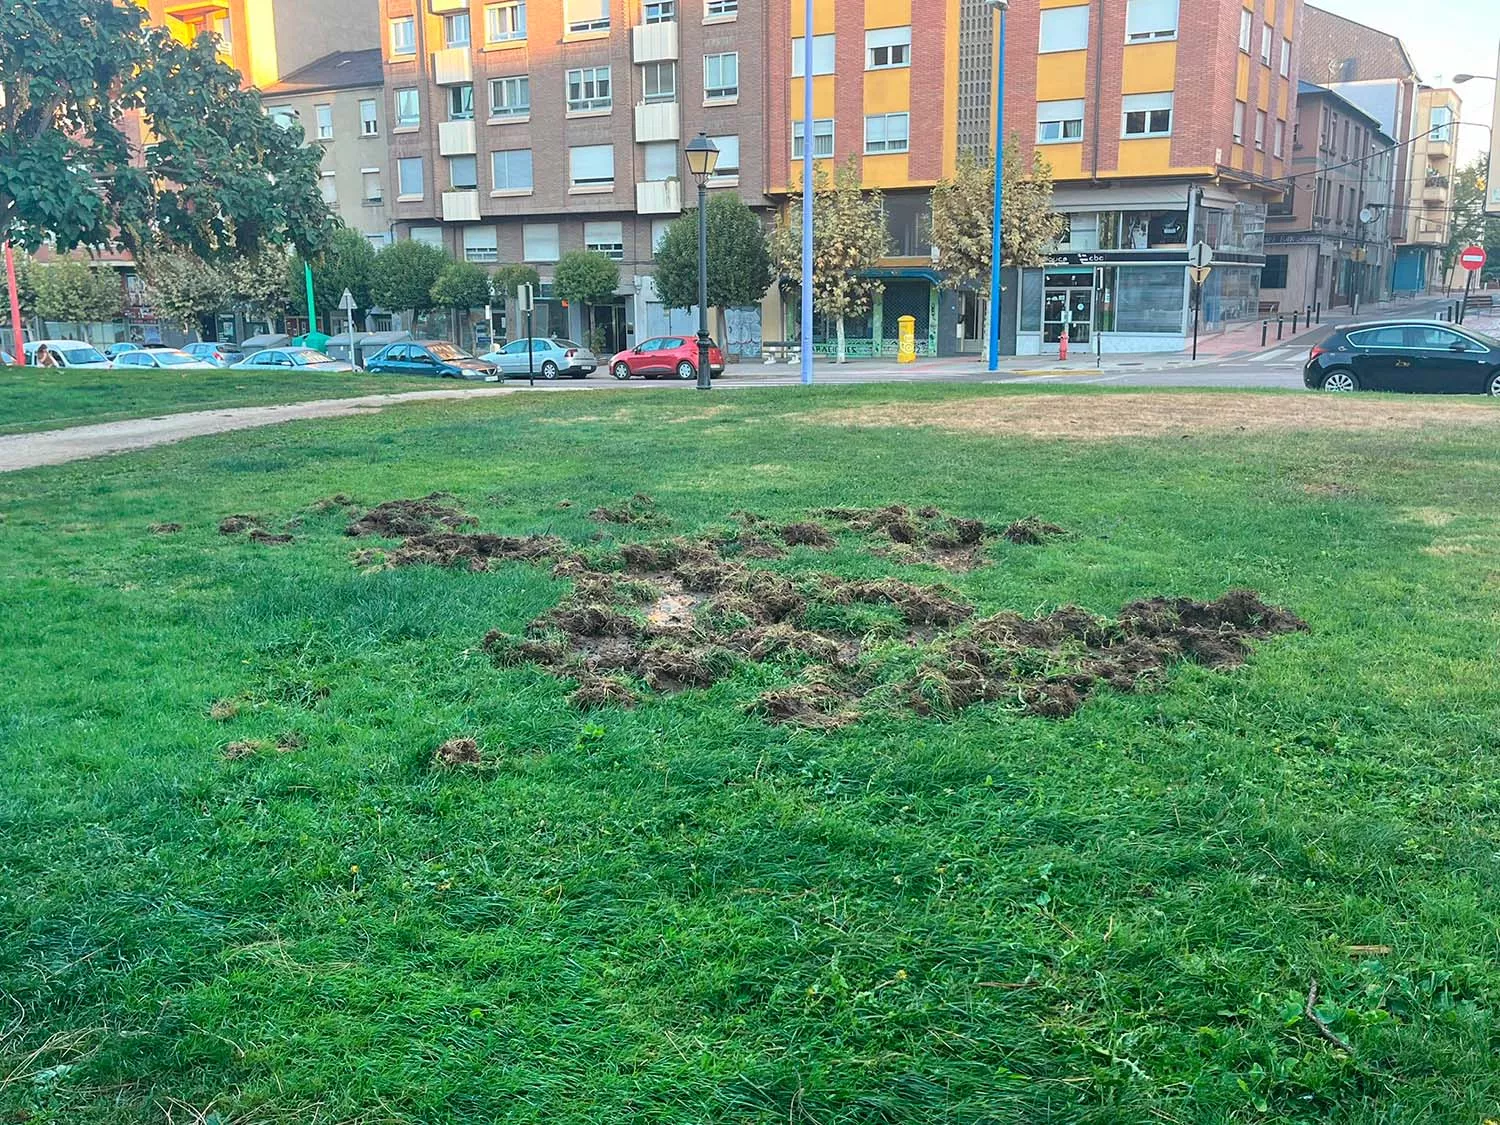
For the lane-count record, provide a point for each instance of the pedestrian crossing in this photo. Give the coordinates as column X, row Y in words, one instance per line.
column 1294, row 356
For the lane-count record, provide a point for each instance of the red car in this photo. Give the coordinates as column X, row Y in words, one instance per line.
column 666, row 355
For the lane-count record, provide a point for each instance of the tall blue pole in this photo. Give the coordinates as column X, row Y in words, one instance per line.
column 999, row 199
column 807, row 195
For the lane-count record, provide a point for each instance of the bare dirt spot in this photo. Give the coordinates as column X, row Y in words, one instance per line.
column 269, row 538
column 640, row 508
column 1105, row 417
column 926, row 535
column 164, row 528
column 233, row 525
column 397, row 519
column 476, row 551
column 1429, row 517
column 807, row 534
column 246, row 748
column 222, row 710
column 1032, row 531
column 457, row 753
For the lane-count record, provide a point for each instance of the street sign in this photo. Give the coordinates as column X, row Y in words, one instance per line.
column 346, row 302
column 1201, row 255
column 1473, row 258
column 1199, row 274
column 525, row 298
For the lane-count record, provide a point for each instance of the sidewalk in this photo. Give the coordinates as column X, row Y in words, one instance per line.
column 1243, row 342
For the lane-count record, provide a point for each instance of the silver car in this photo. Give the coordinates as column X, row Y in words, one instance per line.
column 549, row 358
column 289, row 358
column 157, row 357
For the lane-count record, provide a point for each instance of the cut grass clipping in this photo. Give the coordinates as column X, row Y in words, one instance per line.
column 682, row 613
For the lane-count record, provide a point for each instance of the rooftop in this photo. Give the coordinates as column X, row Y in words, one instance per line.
column 339, row 71
column 1338, row 49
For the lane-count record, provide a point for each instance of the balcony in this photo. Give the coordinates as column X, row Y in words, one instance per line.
column 658, row 197
column 1435, row 190
column 654, row 42
column 657, row 121
column 453, row 66
column 457, row 138
column 460, row 206
column 1439, row 148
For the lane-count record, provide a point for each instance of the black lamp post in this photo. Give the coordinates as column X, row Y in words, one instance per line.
column 702, row 157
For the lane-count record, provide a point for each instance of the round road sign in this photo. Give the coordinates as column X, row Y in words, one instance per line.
column 1473, row 258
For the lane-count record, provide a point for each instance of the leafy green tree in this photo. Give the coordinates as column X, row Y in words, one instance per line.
column 460, row 287
column 1470, row 226
column 256, row 283
column 347, row 262
column 403, row 275
column 849, row 238
column 507, row 279
column 81, row 78
column 584, row 278
column 739, row 263
column 184, row 290
column 72, row 292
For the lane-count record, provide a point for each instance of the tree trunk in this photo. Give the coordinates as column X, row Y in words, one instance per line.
column 843, row 356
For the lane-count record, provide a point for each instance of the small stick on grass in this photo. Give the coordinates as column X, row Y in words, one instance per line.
column 1311, row 1012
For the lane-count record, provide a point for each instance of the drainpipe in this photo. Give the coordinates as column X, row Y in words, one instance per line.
column 1098, row 47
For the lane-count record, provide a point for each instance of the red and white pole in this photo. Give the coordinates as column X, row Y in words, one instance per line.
column 15, row 304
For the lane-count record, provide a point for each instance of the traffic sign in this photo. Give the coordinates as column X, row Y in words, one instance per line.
column 1473, row 258
column 1201, row 255
column 1199, row 274
column 346, row 302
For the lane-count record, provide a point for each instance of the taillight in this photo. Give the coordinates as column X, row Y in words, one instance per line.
column 570, row 353
column 1317, row 350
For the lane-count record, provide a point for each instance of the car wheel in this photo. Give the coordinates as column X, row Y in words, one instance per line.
column 1340, row 381
column 549, row 370
column 1495, row 385
column 686, row 370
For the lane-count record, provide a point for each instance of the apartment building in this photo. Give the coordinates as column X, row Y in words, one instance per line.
column 339, row 101
column 1328, row 241
column 525, row 129
column 1429, row 214
column 267, row 39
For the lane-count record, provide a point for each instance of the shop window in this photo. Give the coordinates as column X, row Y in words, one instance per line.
column 1149, row 299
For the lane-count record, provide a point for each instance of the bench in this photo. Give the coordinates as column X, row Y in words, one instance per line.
column 1270, row 308
column 1481, row 300
column 781, row 351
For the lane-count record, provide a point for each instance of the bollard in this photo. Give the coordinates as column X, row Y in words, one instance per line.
column 1307, row 317
column 1280, row 324
column 1265, row 328
column 1320, row 312
column 1295, row 314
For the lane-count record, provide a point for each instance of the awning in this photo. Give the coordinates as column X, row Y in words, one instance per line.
column 908, row 273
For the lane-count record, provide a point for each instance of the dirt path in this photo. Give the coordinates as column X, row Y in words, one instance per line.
column 55, row 447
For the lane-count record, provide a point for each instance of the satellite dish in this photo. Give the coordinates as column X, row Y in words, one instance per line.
column 1367, row 214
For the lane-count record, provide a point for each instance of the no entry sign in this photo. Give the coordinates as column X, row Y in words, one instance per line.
column 1473, row 258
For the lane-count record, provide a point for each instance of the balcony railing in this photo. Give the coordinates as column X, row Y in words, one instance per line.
column 452, row 66
column 658, row 197
column 657, row 121
column 457, row 138
column 654, row 42
column 460, row 206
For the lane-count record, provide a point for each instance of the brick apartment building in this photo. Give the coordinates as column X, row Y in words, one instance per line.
column 524, row 129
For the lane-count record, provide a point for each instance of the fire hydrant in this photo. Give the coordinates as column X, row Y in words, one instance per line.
column 1062, row 344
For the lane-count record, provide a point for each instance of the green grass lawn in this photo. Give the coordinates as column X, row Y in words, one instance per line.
column 34, row 398
column 683, row 914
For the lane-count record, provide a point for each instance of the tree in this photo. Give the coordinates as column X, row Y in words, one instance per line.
column 347, row 262
column 963, row 212
column 507, row 279
column 82, row 81
column 73, row 292
column 739, row 263
column 184, row 290
column 849, row 238
column 460, row 287
column 403, row 275
column 257, row 284
column 1470, row 226
column 584, row 278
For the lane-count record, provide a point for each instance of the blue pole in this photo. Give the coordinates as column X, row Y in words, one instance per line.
column 999, row 194
column 807, row 195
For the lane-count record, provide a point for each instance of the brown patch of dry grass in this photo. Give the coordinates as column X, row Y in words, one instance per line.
column 1104, row 417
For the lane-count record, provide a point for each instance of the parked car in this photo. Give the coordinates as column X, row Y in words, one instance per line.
column 115, row 351
column 1419, row 356
column 549, row 358
column 69, row 353
column 157, row 357
column 430, row 357
column 666, row 355
column 214, row 355
column 285, row 359
column 6, row 359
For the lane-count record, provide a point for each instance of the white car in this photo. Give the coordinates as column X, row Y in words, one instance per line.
column 70, row 353
column 158, row 357
column 548, row 357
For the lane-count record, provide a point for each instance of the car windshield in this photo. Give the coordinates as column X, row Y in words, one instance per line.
column 80, row 355
column 448, row 352
column 303, row 356
column 175, row 359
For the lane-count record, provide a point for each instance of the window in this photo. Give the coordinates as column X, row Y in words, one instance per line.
column 1273, row 273
column 404, row 36
column 823, row 47
column 591, row 166
column 1260, row 129
column 1286, row 57
column 328, row 186
column 721, row 77
column 539, row 242
column 1146, row 20
column 659, row 81
column 408, row 108
column 463, row 172
column 511, row 170
column 480, row 245
column 1246, row 20
column 721, row 9
column 283, row 115
column 1148, row 115
column 661, row 11
column 887, row 132
column 1265, row 44
column 428, row 236
column 729, row 156
column 887, row 48
column 1239, row 123
column 661, row 160
column 456, row 30
column 1278, row 138
column 1064, row 29
column 1149, row 299
column 409, row 180
column 586, row 15
column 510, row 97
column 659, row 228
column 1059, row 121
column 1441, row 124
column 461, row 102
column 588, row 89
column 369, row 117
column 605, row 238
column 370, row 179
column 504, row 23
column 822, row 138
column 324, row 116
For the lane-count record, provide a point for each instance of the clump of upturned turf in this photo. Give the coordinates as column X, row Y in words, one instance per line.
column 1032, row 531
column 458, row 753
column 640, row 508
column 399, row 519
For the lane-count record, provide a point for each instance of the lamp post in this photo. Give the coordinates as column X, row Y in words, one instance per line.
column 702, row 157
column 999, row 6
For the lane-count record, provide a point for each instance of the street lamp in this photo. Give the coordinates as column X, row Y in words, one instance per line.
column 999, row 6
column 1460, row 79
column 702, row 157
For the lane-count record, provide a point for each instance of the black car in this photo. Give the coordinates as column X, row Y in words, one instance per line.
column 1417, row 356
column 430, row 357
